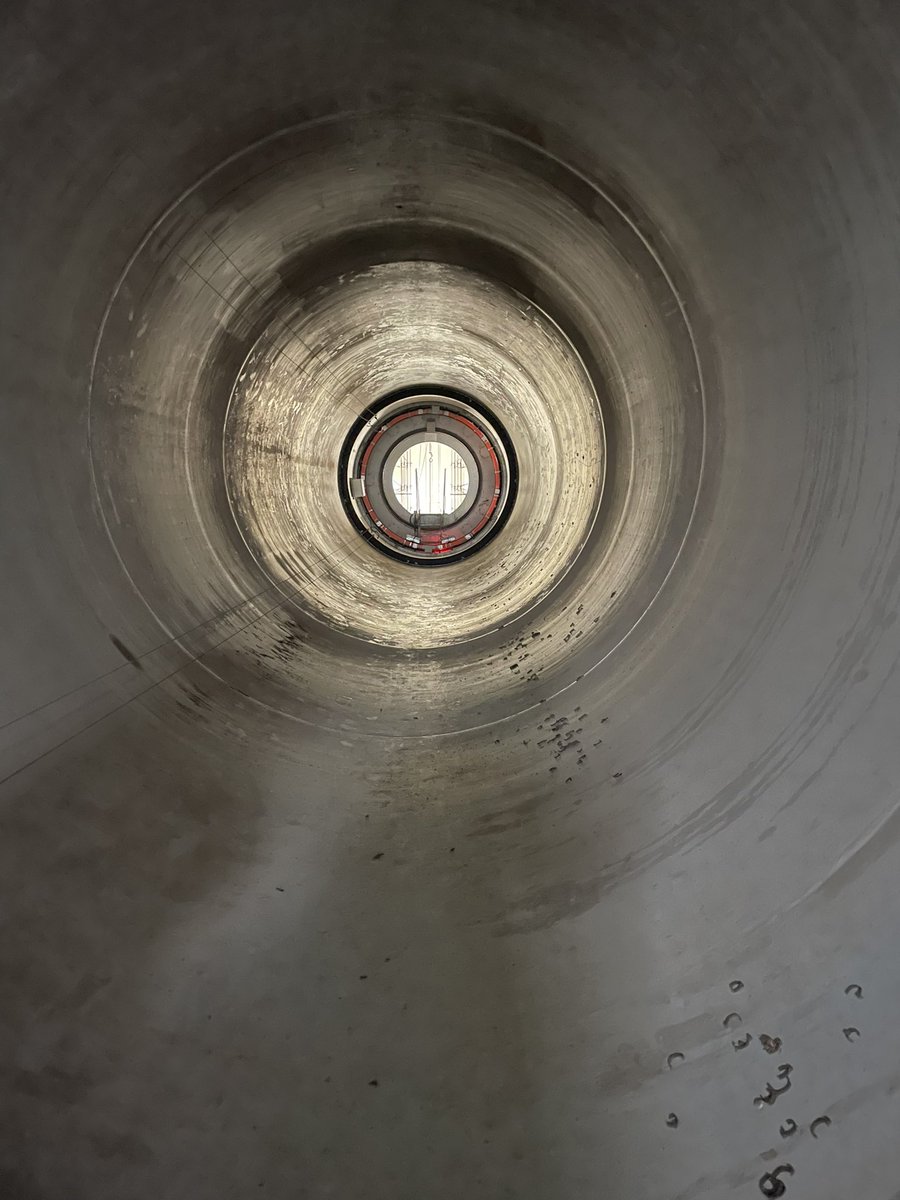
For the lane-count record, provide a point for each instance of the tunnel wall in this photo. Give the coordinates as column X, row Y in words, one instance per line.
column 307, row 894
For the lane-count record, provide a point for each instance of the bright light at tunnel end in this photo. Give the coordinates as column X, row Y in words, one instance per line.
column 431, row 478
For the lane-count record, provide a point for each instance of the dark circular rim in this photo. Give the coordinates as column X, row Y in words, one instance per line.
column 472, row 430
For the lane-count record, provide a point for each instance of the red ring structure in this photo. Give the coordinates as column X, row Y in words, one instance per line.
column 367, row 497
column 433, row 537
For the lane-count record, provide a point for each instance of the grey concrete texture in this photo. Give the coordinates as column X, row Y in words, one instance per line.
column 562, row 872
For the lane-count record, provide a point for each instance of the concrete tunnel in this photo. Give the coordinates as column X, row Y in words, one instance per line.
column 544, row 848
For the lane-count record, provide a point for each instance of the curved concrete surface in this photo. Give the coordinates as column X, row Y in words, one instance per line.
column 564, row 871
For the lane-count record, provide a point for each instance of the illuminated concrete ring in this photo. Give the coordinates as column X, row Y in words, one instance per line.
column 419, row 513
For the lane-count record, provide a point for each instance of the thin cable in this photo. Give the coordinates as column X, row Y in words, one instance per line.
column 233, row 307
column 284, row 325
column 163, row 679
column 138, row 657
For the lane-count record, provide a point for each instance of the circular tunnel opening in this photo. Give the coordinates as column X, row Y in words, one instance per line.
column 428, row 477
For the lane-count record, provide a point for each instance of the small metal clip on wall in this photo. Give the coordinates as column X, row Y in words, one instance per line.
column 771, row 1094
column 771, row 1183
